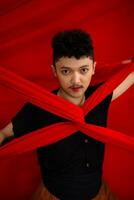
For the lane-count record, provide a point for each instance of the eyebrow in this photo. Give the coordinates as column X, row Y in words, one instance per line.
column 66, row 67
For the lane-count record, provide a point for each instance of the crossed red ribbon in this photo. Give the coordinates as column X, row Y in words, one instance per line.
column 59, row 106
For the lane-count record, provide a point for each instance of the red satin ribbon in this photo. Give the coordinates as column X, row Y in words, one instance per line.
column 59, row 106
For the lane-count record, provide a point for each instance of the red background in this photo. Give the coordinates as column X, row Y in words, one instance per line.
column 26, row 30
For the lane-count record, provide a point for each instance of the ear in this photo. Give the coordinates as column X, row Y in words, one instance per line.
column 94, row 66
column 54, row 70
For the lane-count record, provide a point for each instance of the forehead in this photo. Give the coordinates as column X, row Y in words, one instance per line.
column 74, row 62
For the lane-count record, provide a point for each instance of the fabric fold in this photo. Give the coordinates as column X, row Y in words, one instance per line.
column 46, row 100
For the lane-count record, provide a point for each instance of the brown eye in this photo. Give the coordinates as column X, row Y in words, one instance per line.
column 84, row 70
column 65, row 72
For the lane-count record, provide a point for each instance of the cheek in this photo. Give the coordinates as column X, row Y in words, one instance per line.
column 63, row 80
column 87, row 77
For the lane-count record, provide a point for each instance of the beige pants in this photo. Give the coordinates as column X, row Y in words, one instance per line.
column 104, row 194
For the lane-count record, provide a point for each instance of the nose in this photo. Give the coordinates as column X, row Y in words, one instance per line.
column 75, row 79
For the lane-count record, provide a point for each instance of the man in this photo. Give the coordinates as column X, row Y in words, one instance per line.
column 71, row 168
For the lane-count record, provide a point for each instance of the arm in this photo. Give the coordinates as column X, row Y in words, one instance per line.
column 22, row 123
column 128, row 82
column 6, row 132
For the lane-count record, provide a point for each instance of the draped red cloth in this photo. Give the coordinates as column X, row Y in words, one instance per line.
column 46, row 100
column 26, row 30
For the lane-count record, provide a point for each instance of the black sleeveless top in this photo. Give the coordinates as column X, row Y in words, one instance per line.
column 72, row 167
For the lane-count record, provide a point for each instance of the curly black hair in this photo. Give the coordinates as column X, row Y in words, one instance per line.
column 72, row 43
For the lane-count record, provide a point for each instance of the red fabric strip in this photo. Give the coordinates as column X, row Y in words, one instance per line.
column 46, row 100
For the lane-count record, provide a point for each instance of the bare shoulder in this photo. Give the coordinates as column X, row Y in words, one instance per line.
column 8, row 130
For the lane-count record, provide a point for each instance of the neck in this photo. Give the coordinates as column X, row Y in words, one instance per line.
column 77, row 101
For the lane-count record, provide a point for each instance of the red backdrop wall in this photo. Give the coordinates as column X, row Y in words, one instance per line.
column 26, row 30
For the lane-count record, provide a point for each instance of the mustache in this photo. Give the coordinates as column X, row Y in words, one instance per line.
column 76, row 86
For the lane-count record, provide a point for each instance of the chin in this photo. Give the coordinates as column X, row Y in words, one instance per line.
column 77, row 95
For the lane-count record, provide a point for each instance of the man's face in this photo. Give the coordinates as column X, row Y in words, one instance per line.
column 74, row 75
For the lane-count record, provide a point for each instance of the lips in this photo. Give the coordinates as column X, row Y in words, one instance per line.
column 76, row 89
